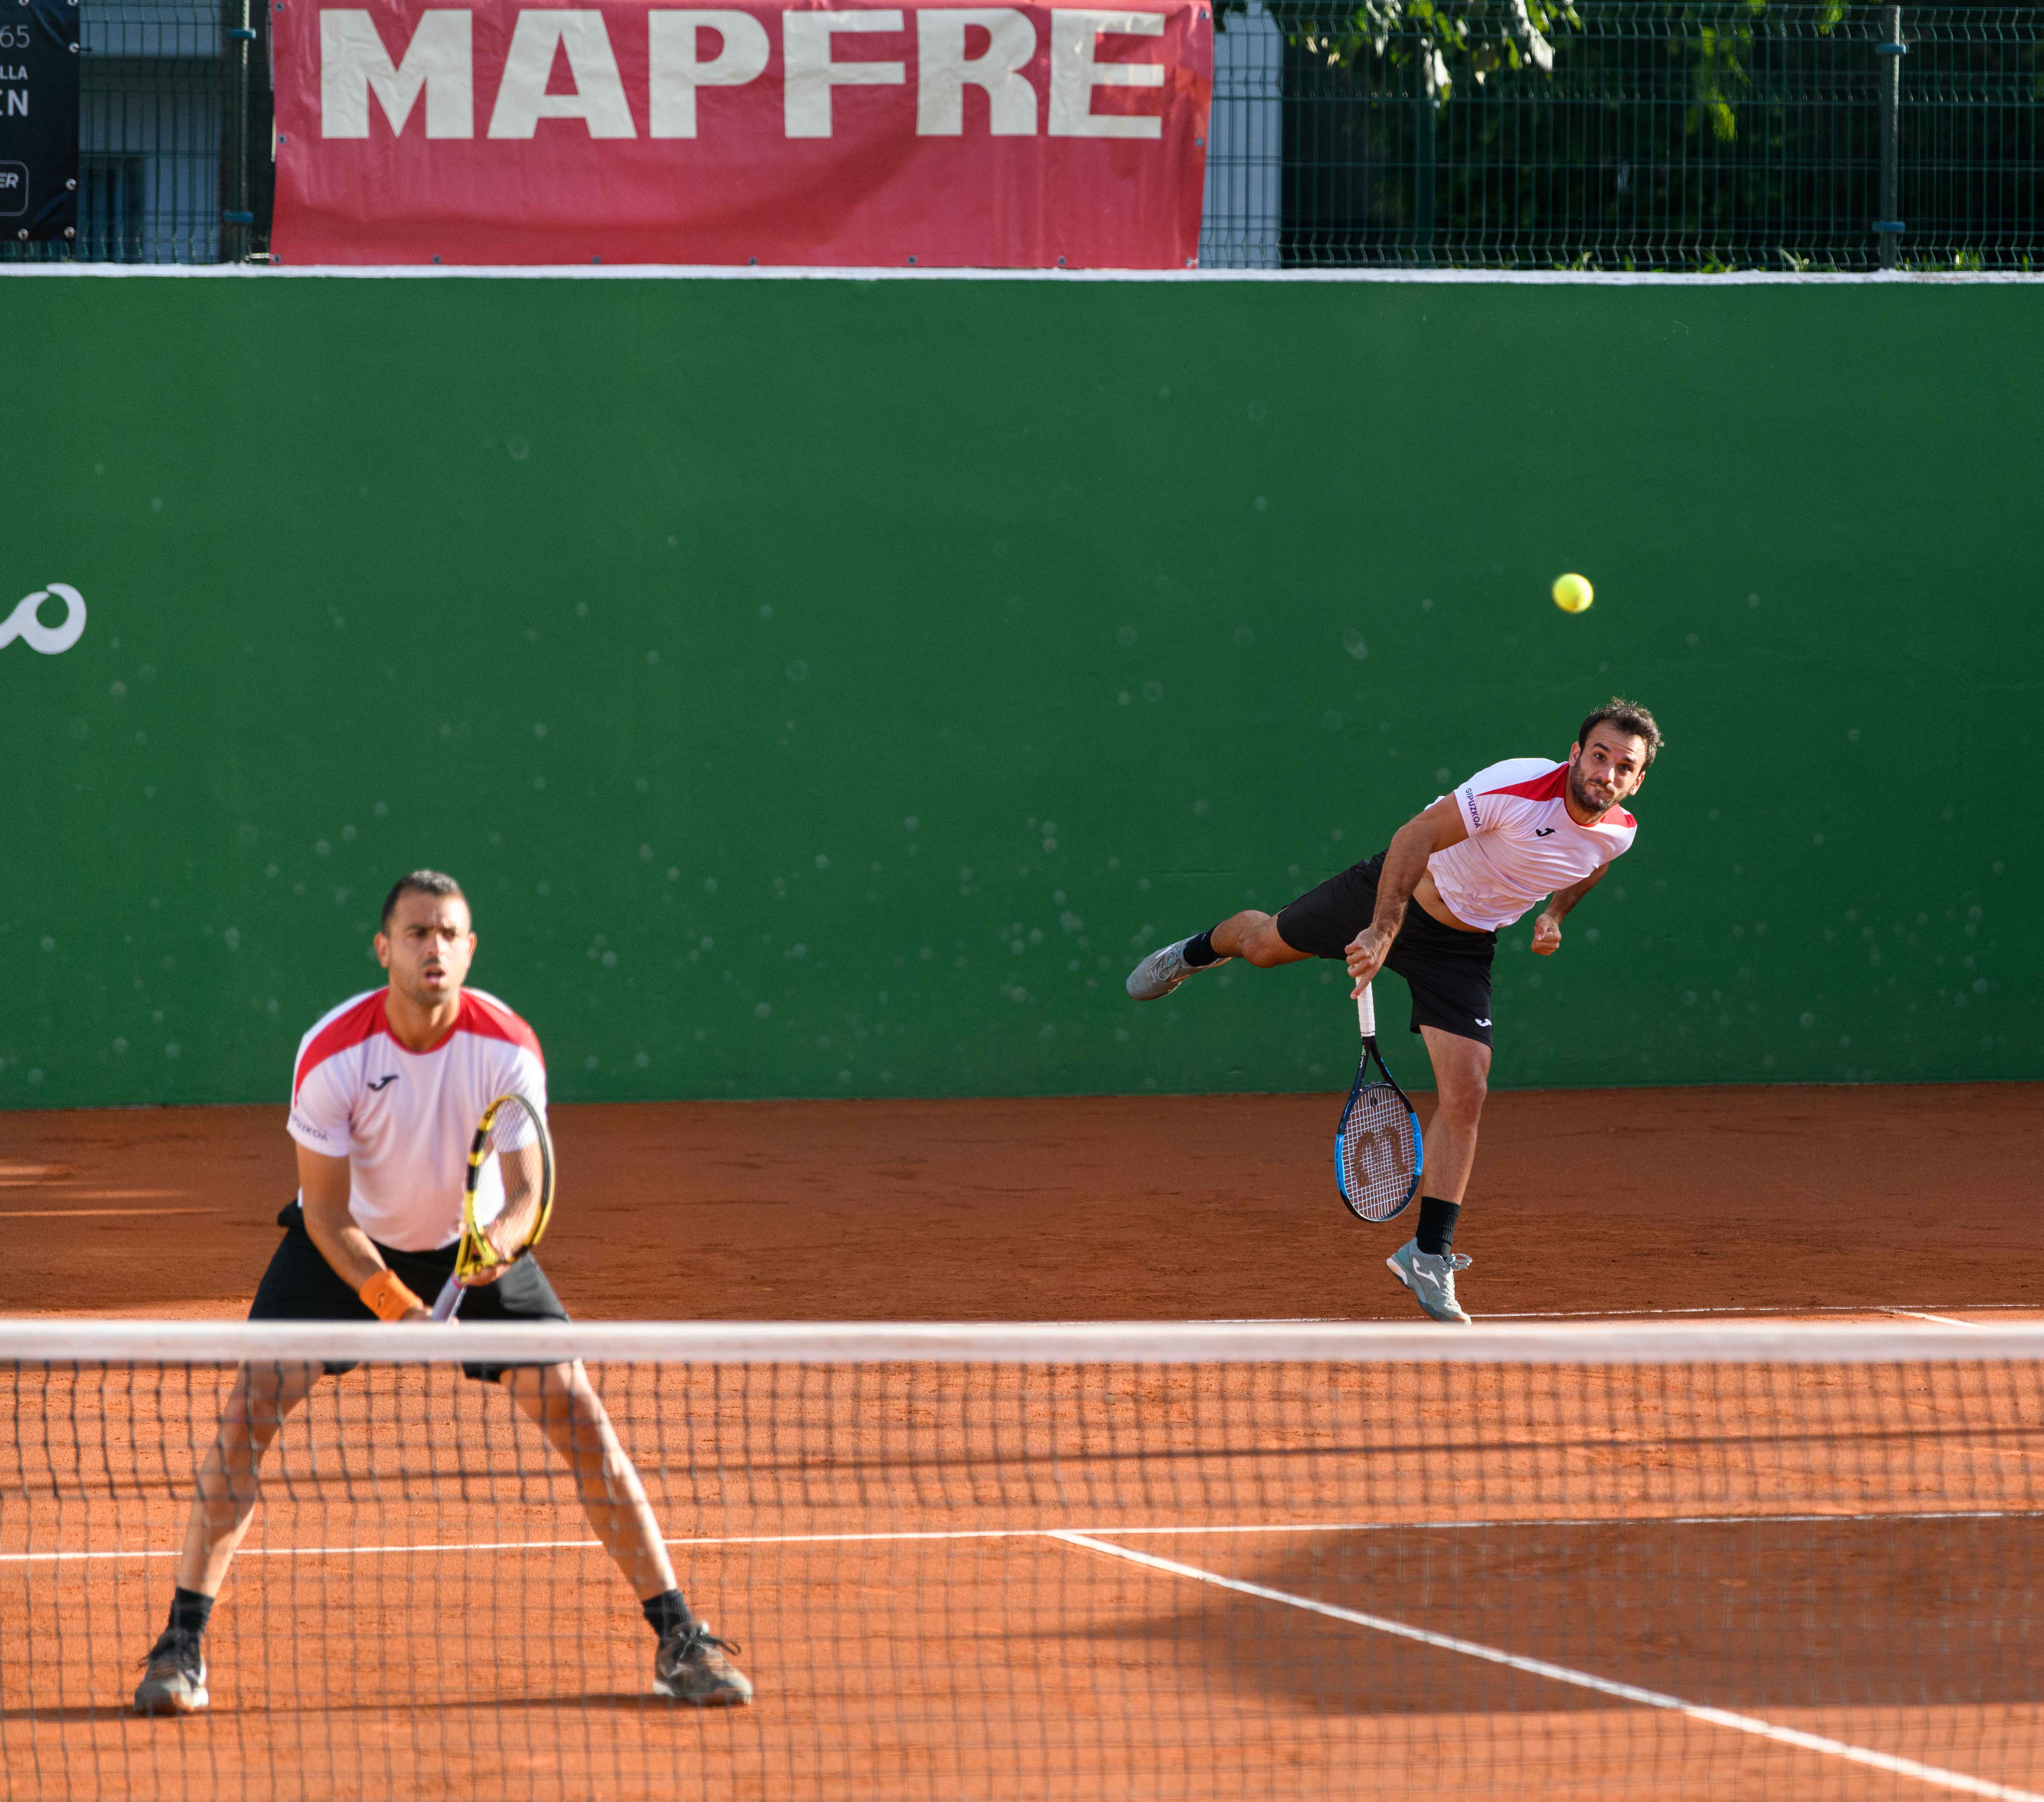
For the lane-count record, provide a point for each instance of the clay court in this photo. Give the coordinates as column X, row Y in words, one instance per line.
column 1037, row 1655
column 1588, row 1202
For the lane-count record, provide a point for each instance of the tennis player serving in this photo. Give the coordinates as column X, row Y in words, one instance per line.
column 385, row 1102
column 1429, row 907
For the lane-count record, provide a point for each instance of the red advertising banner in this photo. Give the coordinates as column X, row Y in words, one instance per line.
column 1030, row 137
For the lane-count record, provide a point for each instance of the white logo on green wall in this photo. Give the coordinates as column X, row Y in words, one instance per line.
column 24, row 622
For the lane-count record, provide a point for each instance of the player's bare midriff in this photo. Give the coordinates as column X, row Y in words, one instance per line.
column 1428, row 893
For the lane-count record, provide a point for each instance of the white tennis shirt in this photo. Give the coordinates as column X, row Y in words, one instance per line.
column 405, row 1120
column 1522, row 844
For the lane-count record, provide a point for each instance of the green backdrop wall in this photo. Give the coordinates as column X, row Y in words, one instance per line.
column 829, row 687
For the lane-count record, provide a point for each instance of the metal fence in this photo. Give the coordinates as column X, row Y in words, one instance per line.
column 1511, row 134
column 1734, row 134
column 174, row 134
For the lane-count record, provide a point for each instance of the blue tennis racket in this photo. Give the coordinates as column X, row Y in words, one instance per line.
column 1378, row 1149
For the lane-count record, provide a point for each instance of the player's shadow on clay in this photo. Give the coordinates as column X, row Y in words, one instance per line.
column 1751, row 1615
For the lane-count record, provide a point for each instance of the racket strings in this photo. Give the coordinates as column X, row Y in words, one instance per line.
column 1377, row 1151
column 513, row 1148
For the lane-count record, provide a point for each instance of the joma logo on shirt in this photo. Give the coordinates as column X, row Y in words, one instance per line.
column 381, row 1083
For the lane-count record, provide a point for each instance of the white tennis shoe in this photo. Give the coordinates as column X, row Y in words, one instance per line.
column 1161, row 972
column 1431, row 1280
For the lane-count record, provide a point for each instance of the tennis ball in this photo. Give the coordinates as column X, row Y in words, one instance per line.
column 1573, row 594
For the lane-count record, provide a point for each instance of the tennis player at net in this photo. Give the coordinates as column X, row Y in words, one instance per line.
column 1430, row 907
column 384, row 1102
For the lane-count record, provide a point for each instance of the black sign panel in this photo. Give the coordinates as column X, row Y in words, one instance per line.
column 39, row 56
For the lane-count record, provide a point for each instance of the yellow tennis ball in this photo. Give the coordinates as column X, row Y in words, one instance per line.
column 1573, row 594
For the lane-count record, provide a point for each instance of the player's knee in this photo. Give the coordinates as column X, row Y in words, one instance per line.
column 1262, row 946
column 246, row 1432
column 1461, row 1098
column 587, row 1424
column 1461, row 1088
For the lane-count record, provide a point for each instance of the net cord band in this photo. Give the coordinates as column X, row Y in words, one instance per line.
column 210, row 1341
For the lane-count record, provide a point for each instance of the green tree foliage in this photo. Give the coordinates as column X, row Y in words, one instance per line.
column 1444, row 45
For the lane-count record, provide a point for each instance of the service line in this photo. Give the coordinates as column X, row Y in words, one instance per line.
column 461, row 1547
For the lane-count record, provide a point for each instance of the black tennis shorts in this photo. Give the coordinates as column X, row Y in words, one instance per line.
column 301, row 1285
column 1448, row 971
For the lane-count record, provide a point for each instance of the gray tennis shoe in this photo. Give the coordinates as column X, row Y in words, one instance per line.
column 174, row 1683
column 1431, row 1280
column 691, row 1665
column 1161, row 972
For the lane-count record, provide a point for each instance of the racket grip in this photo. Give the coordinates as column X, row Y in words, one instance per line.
column 1366, row 1012
column 448, row 1301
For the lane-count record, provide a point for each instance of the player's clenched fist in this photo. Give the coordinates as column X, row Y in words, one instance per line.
column 1546, row 935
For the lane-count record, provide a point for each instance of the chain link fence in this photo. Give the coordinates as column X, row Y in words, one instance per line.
column 1733, row 135
column 1607, row 135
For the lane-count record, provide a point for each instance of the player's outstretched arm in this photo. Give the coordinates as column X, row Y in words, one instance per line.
column 1405, row 863
column 323, row 1192
column 1548, row 928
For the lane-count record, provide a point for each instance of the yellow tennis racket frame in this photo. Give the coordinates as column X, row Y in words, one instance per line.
column 475, row 1255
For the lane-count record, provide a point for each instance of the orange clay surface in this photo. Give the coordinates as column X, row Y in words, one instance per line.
column 1019, row 1664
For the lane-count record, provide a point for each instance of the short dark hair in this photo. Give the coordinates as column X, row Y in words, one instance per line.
column 1628, row 717
column 421, row 883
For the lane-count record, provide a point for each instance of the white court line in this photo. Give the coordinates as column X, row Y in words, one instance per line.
column 2026, row 1308
column 1635, row 1313
column 1932, row 1774
column 1059, row 1532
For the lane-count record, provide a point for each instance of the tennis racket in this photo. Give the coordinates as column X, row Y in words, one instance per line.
column 510, row 1181
column 1378, row 1149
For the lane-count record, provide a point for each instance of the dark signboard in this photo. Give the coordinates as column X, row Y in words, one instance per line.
column 38, row 54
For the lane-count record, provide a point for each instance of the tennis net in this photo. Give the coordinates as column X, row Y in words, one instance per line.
column 1184, row 1562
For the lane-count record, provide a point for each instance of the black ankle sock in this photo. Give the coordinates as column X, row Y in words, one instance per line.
column 1436, row 1232
column 190, row 1611
column 666, row 1612
column 1198, row 952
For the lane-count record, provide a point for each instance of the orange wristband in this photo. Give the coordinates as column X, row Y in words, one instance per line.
column 387, row 1297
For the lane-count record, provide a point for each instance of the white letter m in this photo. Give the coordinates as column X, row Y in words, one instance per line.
column 353, row 63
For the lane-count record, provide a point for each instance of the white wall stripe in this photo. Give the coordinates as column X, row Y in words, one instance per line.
column 1933, row 1775
column 1292, row 277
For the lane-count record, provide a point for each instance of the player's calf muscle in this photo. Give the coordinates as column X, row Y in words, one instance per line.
column 1254, row 937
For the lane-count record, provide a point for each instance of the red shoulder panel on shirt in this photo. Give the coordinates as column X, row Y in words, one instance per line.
column 363, row 1021
column 1549, row 787
column 493, row 1020
column 1627, row 820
